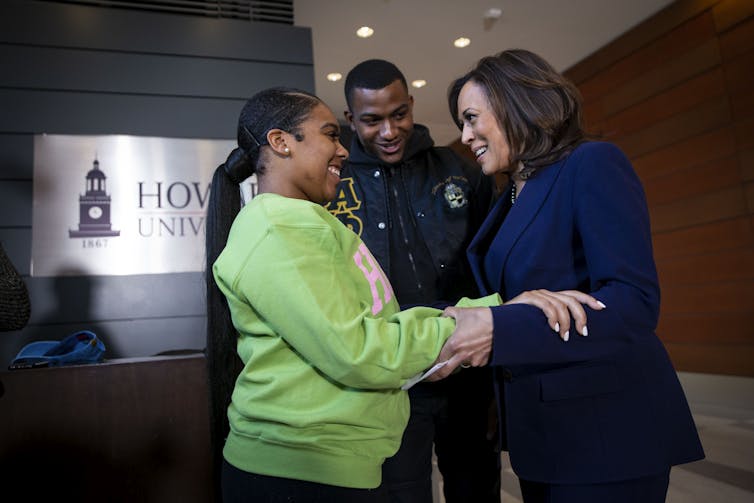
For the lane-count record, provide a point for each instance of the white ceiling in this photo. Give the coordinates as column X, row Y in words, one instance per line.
column 417, row 35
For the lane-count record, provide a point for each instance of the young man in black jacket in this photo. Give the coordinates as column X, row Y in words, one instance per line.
column 417, row 206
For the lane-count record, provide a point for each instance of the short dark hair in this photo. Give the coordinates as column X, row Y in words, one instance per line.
column 372, row 74
column 538, row 109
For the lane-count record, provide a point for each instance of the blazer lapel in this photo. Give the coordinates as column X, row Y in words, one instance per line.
column 518, row 219
column 475, row 252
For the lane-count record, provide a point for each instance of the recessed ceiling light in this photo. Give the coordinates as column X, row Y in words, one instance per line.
column 334, row 77
column 365, row 32
column 419, row 83
column 493, row 13
column 461, row 42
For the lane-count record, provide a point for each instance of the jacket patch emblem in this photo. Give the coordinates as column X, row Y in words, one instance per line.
column 454, row 195
column 344, row 204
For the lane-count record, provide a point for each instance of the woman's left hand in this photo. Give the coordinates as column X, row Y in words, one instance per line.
column 559, row 307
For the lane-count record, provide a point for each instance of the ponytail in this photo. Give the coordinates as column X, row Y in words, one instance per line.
column 280, row 108
column 223, row 364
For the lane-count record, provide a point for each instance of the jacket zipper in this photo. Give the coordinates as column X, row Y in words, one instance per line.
column 402, row 226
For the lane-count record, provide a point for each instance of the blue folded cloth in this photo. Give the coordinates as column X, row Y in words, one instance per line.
column 78, row 348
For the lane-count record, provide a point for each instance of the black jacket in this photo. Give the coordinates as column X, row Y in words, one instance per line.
column 429, row 205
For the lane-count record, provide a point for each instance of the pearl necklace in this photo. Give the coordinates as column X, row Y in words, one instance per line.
column 523, row 177
column 513, row 193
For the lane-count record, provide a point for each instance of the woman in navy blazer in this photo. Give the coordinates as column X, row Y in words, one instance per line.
column 602, row 417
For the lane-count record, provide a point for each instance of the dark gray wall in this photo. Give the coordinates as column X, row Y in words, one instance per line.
column 68, row 69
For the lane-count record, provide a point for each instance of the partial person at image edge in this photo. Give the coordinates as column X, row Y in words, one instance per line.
column 15, row 308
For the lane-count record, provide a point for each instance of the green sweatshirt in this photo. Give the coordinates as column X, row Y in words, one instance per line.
column 324, row 346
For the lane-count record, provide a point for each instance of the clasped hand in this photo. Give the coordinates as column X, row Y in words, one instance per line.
column 471, row 341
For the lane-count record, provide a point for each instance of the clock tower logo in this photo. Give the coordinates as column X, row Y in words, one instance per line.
column 94, row 208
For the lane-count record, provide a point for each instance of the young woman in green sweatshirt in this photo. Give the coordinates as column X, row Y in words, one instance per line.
column 314, row 403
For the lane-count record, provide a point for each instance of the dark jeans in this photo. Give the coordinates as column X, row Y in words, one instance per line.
column 239, row 486
column 454, row 415
column 652, row 489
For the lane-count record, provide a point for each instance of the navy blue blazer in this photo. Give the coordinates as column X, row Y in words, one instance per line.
column 604, row 407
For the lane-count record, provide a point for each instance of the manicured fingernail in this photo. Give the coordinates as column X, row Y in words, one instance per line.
column 603, row 306
column 565, row 335
column 585, row 332
column 557, row 327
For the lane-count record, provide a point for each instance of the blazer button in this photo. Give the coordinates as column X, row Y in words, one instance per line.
column 507, row 375
column 420, row 214
column 377, row 174
column 381, row 225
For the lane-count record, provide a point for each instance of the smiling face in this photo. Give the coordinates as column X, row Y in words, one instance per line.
column 316, row 160
column 383, row 120
column 481, row 130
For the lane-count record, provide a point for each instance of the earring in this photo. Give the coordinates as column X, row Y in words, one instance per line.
column 287, row 150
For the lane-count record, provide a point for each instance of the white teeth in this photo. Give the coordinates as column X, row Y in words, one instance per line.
column 480, row 151
column 334, row 170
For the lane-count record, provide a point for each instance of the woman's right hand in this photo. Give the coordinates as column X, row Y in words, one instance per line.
column 470, row 343
column 559, row 307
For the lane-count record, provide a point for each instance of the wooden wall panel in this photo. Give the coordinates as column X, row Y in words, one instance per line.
column 666, row 104
column 675, row 94
column 744, row 132
column 689, row 35
column 713, row 357
column 728, row 265
column 746, row 162
column 738, row 40
column 739, row 80
column 742, row 103
column 694, row 181
column 673, row 72
column 728, row 328
column 731, row 297
column 654, row 27
column 706, row 116
column 686, row 153
column 703, row 239
column 729, row 13
column 738, row 71
column 718, row 205
column 749, row 189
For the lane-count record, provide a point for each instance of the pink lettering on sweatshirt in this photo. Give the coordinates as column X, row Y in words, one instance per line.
column 373, row 276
